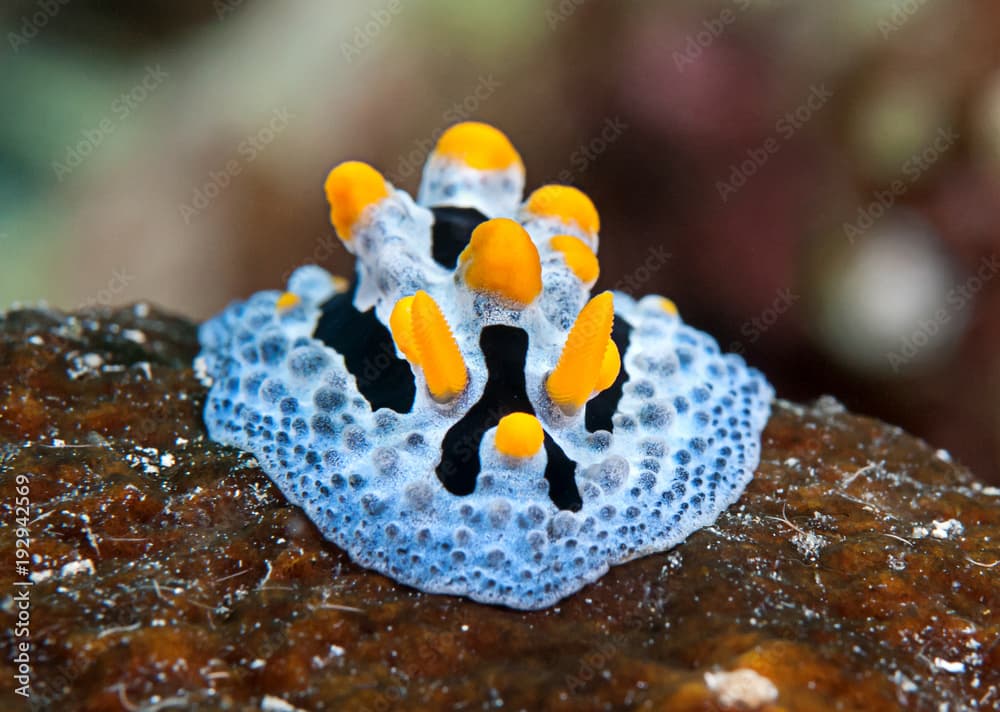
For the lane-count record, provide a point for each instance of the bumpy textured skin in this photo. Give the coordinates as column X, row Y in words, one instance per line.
column 685, row 442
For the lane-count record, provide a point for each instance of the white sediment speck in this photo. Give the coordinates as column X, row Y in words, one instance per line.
column 134, row 335
column 82, row 365
column 947, row 529
column 809, row 544
column 903, row 682
column 83, row 566
column 949, row 666
column 148, row 458
column 744, row 687
column 270, row 703
column 201, row 372
column 939, row 529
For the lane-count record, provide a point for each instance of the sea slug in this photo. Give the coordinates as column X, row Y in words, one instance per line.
column 465, row 417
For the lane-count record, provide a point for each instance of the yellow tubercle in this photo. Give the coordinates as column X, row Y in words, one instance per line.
column 436, row 349
column 668, row 306
column 401, row 326
column 478, row 146
column 501, row 259
column 351, row 188
column 567, row 204
column 611, row 364
column 575, row 378
column 287, row 301
column 519, row 435
column 579, row 257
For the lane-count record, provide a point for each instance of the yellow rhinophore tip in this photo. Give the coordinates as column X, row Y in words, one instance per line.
column 501, row 259
column 668, row 306
column 478, row 146
column 437, row 351
column 401, row 326
column 579, row 257
column 611, row 364
column 287, row 300
column 340, row 284
column 350, row 188
column 575, row 378
column 519, row 435
column 566, row 203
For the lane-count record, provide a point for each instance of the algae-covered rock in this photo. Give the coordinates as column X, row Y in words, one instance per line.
column 859, row 571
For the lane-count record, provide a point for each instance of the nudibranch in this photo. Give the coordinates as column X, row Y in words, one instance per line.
column 465, row 417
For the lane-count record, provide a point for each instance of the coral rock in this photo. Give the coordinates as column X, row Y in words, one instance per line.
column 858, row 571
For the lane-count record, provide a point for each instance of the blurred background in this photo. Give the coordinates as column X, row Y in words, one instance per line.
column 816, row 184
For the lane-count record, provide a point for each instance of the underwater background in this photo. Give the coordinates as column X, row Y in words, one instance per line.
column 816, row 184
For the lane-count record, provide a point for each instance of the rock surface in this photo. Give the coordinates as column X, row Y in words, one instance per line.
column 860, row 570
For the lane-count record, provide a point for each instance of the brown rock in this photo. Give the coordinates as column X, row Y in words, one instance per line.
column 859, row 571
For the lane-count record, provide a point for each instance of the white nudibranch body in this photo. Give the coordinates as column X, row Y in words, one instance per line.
column 465, row 418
